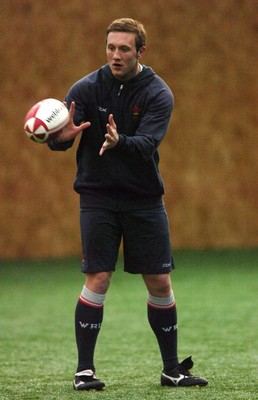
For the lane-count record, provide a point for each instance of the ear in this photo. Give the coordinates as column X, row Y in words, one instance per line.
column 141, row 51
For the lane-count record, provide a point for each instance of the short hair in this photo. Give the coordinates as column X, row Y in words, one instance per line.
column 129, row 25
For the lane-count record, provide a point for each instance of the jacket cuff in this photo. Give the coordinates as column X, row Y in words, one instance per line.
column 121, row 143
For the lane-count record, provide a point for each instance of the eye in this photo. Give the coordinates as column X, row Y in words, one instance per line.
column 125, row 49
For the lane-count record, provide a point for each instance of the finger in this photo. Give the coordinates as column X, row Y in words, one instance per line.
column 102, row 150
column 112, row 121
column 109, row 131
column 105, row 145
column 84, row 125
column 71, row 110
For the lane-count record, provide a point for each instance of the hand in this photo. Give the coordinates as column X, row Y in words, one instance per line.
column 70, row 131
column 112, row 136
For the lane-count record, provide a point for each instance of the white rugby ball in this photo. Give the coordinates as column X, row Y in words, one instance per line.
column 45, row 120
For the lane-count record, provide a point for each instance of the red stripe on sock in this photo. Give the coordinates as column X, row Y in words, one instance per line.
column 158, row 307
column 89, row 303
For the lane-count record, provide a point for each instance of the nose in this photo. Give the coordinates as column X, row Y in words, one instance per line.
column 116, row 55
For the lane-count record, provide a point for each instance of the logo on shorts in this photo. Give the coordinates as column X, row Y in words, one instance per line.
column 166, row 265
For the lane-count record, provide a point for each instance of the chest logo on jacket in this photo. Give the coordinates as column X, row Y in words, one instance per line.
column 136, row 112
column 102, row 109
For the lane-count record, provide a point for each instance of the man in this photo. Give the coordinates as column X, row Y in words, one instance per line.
column 120, row 188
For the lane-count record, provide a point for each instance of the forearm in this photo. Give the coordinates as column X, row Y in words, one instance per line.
column 55, row 145
column 144, row 145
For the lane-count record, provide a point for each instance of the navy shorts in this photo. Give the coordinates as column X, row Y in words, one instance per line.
column 144, row 235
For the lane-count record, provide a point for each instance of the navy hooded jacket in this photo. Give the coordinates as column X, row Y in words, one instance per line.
column 142, row 109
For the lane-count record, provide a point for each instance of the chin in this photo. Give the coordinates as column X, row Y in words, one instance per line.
column 117, row 74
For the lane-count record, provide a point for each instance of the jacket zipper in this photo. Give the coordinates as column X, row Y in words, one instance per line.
column 120, row 89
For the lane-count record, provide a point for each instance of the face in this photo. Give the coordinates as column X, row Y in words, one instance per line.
column 122, row 56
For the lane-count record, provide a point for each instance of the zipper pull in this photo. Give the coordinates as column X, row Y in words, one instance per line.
column 120, row 89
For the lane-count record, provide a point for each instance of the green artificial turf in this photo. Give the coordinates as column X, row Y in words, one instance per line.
column 216, row 293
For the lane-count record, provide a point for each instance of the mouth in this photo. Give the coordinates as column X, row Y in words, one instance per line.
column 117, row 66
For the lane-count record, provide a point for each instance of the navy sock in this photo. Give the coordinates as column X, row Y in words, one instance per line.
column 162, row 317
column 88, row 320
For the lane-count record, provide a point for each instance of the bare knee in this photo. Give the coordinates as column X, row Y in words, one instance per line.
column 99, row 282
column 158, row 285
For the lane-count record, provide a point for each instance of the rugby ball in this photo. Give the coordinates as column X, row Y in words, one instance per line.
column 45, row 120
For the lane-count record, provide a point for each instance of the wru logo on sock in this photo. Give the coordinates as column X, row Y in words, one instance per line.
column 89, row 326
column 168, row 329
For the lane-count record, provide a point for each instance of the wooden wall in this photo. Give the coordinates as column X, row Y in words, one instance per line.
column 206, row 52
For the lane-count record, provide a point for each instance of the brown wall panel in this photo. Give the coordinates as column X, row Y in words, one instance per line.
column 206, row 52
